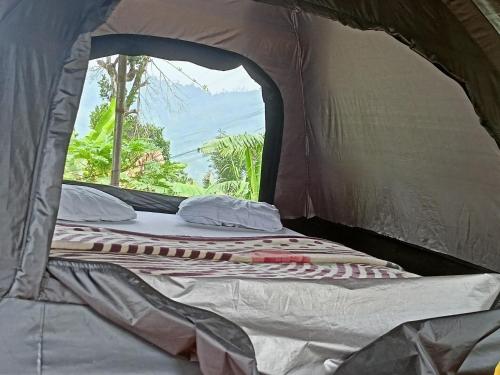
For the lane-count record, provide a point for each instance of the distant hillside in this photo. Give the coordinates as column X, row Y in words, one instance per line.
column 189, row 115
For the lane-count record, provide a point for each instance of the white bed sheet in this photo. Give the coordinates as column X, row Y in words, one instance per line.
column 170, row 224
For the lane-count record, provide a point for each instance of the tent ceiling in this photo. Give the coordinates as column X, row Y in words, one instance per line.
column 458, row 36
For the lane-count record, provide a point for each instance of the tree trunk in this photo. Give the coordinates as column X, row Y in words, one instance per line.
column 121, row 92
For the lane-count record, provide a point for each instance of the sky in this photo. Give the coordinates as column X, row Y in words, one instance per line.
column 216, row 81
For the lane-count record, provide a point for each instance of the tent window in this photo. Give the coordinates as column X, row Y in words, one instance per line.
column 186, row 129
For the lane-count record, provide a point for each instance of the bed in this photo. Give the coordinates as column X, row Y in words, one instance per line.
column 303, row 317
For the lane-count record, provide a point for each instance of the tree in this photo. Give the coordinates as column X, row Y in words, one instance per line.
column 237, row 160
column 145, row 161
column 120, row 112
column 144, row 153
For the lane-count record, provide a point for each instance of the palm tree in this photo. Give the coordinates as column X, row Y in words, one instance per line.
column 237, row 160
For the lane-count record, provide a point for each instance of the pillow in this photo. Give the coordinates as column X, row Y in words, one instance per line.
column 227, row 211
column 81, row 203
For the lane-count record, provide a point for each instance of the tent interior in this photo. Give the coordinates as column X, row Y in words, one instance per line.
column 381, row 153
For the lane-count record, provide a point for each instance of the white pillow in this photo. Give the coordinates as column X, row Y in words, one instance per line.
column 227, row 211
column 81, row 203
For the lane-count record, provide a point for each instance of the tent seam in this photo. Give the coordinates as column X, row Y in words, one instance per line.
column 39, row 361
column 295, row 25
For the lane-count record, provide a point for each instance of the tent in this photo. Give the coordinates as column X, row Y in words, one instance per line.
column 382, row 130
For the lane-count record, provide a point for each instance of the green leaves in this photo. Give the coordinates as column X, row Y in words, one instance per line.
column 237, row 160
column 103, row 122
column 234, row 145
column 145, row 154
column 88, row 159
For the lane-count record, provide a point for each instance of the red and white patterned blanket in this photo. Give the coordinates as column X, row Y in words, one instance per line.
column 263, row 257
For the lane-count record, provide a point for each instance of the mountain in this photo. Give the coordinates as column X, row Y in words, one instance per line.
column 189, row 116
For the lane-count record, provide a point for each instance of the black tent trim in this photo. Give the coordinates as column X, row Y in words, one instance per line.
column 218, row 59
column 412, row 258
column 139, row 200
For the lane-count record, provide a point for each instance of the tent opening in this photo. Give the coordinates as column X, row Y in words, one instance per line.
column 185, row 129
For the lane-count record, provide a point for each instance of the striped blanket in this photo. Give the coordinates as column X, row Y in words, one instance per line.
column 280, row 256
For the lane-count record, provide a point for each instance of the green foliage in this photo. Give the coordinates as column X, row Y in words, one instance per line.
column 134, row 129
column 145, row 154
column 102, row 121
column 88, row 160
column 106, row 89
column 145, row 160
column 157, row 177
column 236, row 163
column 237, row 160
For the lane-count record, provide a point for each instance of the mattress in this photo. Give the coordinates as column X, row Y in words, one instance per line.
column 297, row 326
column 170, row 224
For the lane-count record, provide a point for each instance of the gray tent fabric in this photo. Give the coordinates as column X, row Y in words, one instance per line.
column 39, row 151
column 306, row 322
column 217, row 344
column 430, row 347
column 45, row 48
column 38, row 48
column 375, row 136
column 357, row 135
column 453, row 34
column 397, row 148
column 56, row 338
